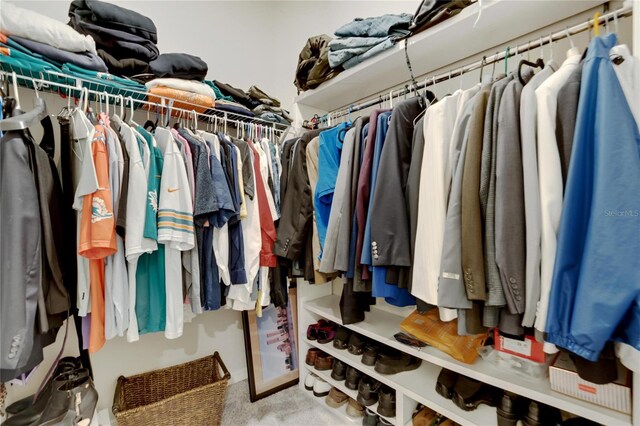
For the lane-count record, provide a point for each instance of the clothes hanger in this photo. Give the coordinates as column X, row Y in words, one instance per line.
column 131, row 121
column 539, row 63
column 28, row 119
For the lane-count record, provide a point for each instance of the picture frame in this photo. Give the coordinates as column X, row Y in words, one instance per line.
column 271, row 346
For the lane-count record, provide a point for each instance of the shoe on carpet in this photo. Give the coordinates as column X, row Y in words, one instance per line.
column 309, row 381
column 355, row 409
column 339, row 371
column 353, row 378
column 336, row 398
column 321, row 388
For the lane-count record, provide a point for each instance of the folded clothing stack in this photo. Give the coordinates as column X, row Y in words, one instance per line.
column 125, row 39
column 187, row 94
column 46, row 39
column 361, row 39
column 432, row 12
column 254, row 103
column 269, row 108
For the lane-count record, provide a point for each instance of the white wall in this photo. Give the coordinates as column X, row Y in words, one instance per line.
column 244, row 43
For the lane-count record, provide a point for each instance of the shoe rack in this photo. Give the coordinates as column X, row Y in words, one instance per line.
column 418, row 386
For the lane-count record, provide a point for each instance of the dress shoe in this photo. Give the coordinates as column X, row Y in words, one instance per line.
column 368, row 391
column 65, row 364
column 511, row 409
column 341, row 339
column 77, row 395
column 355, row 409
column 394, row 361
column 370, row 418
column 383, row 422
column 387, row 402
column 327, row 333
column 311, row 356
column 353, row 378
column 312, row 330
column 336, row 398
column 321, row 388
column 541, row 415
column 309, row 381
column 356, row 344
column 446, row 383
column 469, row 393
column 323, row 362
column 370, row 353
column 339, row 371
column 424, row 417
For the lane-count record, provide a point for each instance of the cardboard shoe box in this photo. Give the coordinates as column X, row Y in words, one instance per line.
column 615, row 395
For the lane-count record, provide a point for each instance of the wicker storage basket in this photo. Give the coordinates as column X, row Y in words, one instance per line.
column 187, row 394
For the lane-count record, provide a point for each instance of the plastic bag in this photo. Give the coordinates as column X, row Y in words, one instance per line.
column 428, row 328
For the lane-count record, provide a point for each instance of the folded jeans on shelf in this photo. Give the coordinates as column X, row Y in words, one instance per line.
column 378, row 26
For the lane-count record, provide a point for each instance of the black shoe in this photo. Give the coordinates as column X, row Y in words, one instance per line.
column 396, row 362
column 446, row 382
column 370, row 353
column 542, row 415
column 387, row 402
column 356, row 344
column 469, row 393
column 510, row 409
column 65, row 364
column 370, row 418
column 368, row 391
column 353, row 378
column 77, row 395
column 341, row 339
column 339, row 370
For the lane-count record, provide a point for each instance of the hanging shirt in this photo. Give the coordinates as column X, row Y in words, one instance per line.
column 267, row 228
column 175, row 227
column 596, row 279
column 550, row 189
column 330, row 146
column 115, row 269
column 150, row 273
column 98, row 235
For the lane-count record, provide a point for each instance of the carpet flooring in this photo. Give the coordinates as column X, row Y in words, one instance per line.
column 291, row 407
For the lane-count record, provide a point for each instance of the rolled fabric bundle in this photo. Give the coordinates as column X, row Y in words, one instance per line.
column 184, row 85
column 196, row 101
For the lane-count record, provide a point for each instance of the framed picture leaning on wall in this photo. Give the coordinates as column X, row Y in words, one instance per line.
column 271, row 348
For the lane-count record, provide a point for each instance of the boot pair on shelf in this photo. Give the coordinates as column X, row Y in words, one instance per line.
column 68, row 398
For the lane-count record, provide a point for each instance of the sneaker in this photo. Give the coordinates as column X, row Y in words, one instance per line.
column 321, row 388
column 309, row 381
column 336, row 398
column 354, row 409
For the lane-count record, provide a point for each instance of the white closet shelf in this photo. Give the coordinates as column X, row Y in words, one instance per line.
column 326, row 376
column 444, row 44
column 381, row 325
column 419, row 385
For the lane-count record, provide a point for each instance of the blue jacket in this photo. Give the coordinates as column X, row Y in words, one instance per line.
column 595, row 292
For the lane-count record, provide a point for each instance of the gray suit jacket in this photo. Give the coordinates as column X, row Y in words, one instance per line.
column 566, row 118
column 20, row 252
column 510, row 220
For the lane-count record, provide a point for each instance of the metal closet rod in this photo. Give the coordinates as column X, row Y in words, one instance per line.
column 224, row 115
column 508, row 52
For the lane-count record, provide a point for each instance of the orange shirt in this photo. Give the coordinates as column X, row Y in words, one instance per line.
column 97, row 235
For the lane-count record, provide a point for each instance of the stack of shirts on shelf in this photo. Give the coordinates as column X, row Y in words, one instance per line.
column 361, row 39
column 254, row 103
column 125, row 40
